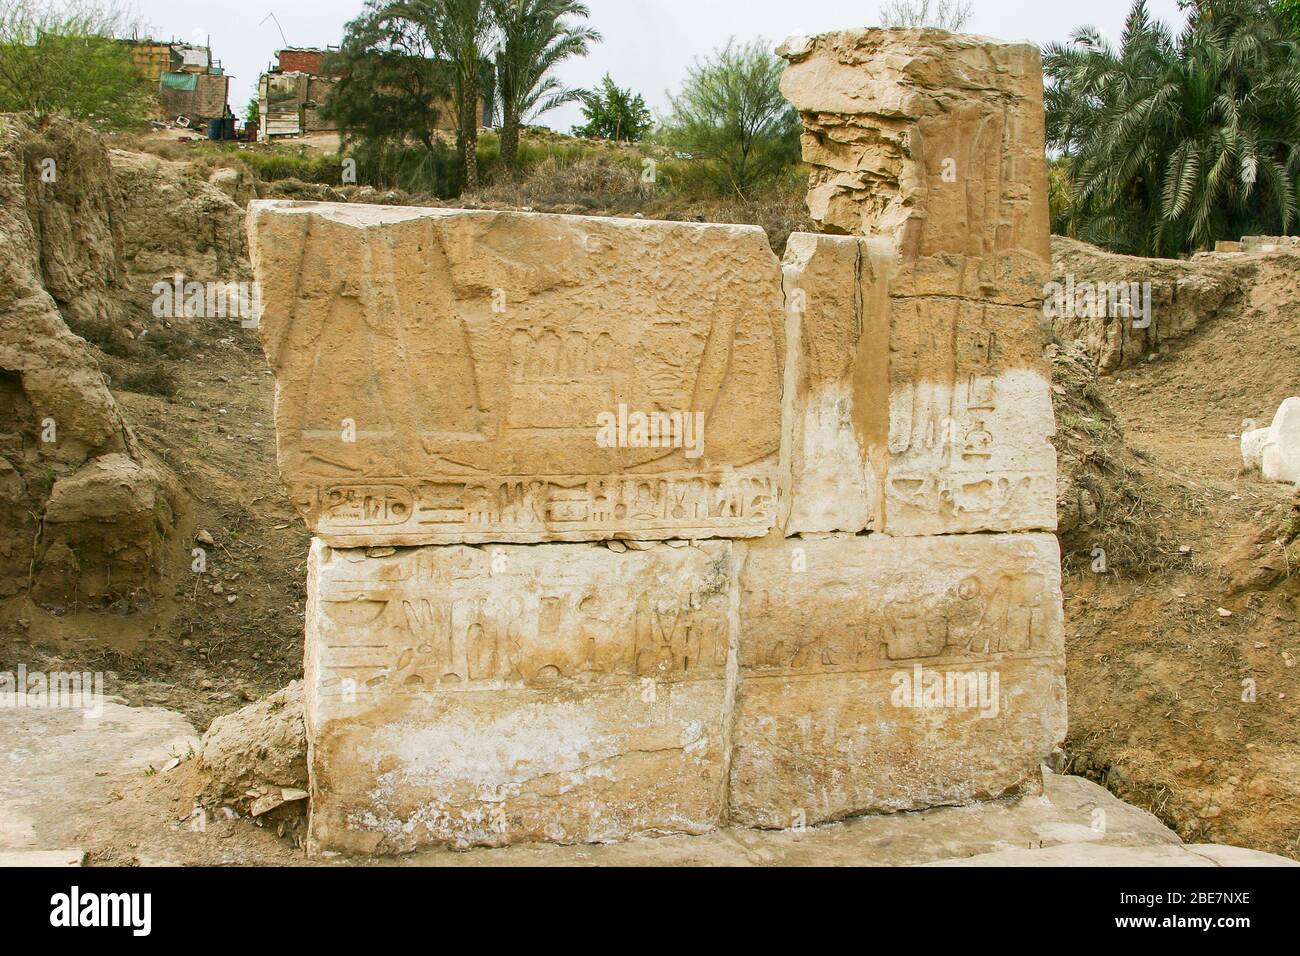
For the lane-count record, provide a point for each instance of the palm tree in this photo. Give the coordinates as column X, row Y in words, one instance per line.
column 535, row 36
column 1170, row 144
column 464, row 42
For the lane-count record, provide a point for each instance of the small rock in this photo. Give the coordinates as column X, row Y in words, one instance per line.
column 1224, row 612
column 205, row 537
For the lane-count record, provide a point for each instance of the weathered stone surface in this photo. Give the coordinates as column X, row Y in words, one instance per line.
column 256, row 755
column 1270, row 244
column 106, row 528
column 929, row 145
column 909, row 415
column 881, row 673
column 934, row 140
column 441, row 374
column 84, row 512
column 836, row 384
column 442, row 378
column 566, row 693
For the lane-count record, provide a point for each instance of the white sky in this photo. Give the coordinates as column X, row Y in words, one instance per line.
column 648, row 44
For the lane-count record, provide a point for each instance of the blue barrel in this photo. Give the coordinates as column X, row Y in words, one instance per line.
column 228, row 128
column 214, row 129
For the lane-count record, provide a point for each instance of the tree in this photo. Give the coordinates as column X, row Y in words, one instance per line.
column 1289, row 11
column 614, row 113
column 732, row 119
column 391, row 88
column 1171, row 143
column 253, row 112
column 66, row 59
column 464, row 41
column 950, row 15
column 534, row 37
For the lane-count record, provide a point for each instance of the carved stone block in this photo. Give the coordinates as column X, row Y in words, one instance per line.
column 454, row 376
column 481, row 696
column 909, row 415
column 881, row 674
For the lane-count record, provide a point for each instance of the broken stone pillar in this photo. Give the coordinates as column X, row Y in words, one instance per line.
column 933, row 141
column 627, row 527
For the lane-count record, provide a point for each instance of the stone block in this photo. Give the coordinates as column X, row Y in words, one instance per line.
column 456, row 376
column 881, row 674
column 909, row 415
column 482, row 696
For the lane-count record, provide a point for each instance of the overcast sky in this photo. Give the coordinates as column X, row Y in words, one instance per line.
column 648, row 44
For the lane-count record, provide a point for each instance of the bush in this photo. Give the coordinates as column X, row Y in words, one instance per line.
column 276, row 164
column 155, row 380
column 66, row 60
column 108, row 337
column 733, row 122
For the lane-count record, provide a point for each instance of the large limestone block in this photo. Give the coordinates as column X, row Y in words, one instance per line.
column 910, row 415
column 881, row 674
column 934, row 140
column 562, row 692
column 443, row 376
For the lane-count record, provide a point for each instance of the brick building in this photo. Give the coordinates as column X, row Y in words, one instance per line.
column 189, row 82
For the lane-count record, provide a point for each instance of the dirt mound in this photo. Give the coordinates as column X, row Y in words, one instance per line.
column 1107, row 497
column 1183, row 681
column 88, row 512
column 1185, row 295
column 173, row 220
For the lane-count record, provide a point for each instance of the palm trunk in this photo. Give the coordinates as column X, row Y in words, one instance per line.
column 469, row 120
column 510, row 126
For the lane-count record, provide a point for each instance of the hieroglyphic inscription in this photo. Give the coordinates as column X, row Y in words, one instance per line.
column 874, row 602
column 459, row 618
column 525, row 509
column 970, row 421
column 829, row 628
